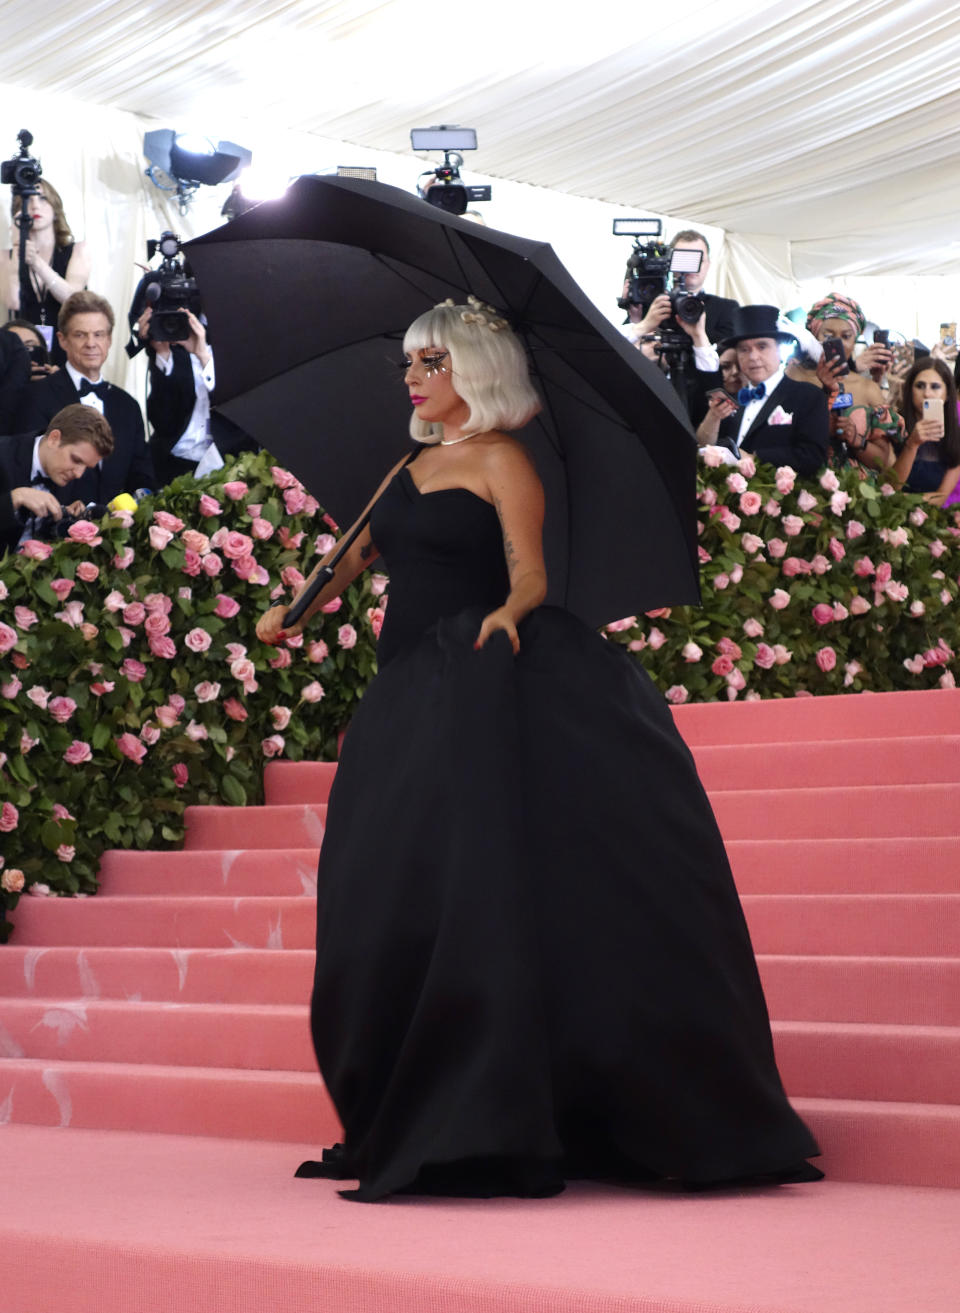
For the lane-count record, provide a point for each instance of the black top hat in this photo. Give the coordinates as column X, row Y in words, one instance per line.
column 756, row 321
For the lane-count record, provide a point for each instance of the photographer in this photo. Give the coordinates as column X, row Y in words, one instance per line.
column 719, row 310
column 56, row 265
column 85, row 332
column 14, row 378
column 33, row 470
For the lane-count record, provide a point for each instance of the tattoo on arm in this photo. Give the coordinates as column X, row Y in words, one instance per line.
column 508, row 549
column 366, row 551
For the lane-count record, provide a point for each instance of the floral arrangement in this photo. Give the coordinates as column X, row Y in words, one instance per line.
column 131, row 680
column 832, row 585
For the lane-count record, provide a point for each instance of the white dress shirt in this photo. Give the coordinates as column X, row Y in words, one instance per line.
column 753, row 408
column 91, row 398
column 195, row 442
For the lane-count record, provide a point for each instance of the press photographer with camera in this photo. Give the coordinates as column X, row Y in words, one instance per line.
column 38, row 474
column 85, row 331
column 47, row 264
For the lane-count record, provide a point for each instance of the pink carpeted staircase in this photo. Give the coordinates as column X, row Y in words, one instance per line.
column 176, row 1000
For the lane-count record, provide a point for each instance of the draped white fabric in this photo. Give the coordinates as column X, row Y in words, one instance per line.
column 821, row 136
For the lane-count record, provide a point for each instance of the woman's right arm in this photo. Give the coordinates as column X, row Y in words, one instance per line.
column 925, row 430
column 360, row 555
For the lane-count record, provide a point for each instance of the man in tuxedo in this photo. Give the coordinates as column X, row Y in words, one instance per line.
column 85, row 331
column 36, row 471
column 720, row 309
column 777, row 419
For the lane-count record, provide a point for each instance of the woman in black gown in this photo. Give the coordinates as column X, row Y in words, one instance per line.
column 532, row 963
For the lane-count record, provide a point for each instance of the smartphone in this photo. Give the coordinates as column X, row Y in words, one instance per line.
column 948, row 334
column 882, row 336
column 833, row 350
column 724, row 395
column 933, row 409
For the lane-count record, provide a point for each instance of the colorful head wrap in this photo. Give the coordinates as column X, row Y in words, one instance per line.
column 836, row 306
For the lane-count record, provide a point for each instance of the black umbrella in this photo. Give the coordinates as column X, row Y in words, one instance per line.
column 308, row 299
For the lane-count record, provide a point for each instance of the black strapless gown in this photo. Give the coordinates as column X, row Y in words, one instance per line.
column 532, row 963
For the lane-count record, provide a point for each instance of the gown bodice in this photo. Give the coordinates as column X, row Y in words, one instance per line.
column 444, row 552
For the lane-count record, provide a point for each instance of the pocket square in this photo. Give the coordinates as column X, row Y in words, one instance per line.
column 780, row 416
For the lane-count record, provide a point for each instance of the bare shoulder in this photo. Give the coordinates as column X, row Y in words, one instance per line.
column 505, row 457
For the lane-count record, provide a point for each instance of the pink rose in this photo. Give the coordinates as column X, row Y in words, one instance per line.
column 11, row 688
column 937, row 548
column 727, row 647
column 677, row 694
column 331, row 608
column 123, row 560
column 656, row 639
column 822, row 613
column 211, row 564
column 779, row 599
column 291, row 576
column 218, row 538
column 72, row 614
column 85, row 531
column 198, row 640
column 234, row 709
column 61, row 709
column 114, row 601
column 347, row 636
column 105, row 686
column 226, row 607
column 197, row 733
column 917, row 608
column 273, row 746
column 180, row 774
column 280, row 717
column 751, row 543
column 914, row 664
column 782, row 654
column 35, row 550
column 722, row 665
column 840, row 612
column 133, row 670
column 8, row 638
column 167, row 716
column 236, row 490
column 851, row 670
column 27, row 744
column 839, row 502
column 244, row 671
column 750, row 503
column 163, row 646
column 261, row 529
column 752, row 628
column 766, row 657
column 708, row 496
column 246, row 568
column 820, row 564
column 209, row 506
column 185, row 592
column 378, row 584
column 254, row 509
column 150, row 734
column 712, row 456
column 283, row 478
column 806, row 500
column 294, row 499
column 325, row 543
column 62, row 588
column 829, row 481
column 192, row 563
column 23, row 617
column 947, row 680
column 66, row 852
column 311, row 692
column 859, row 605
column 736, row 680
column 785, row 479
column 837, row 549
column 691, row 653
column 884, row 573
column 9, row 817
column 156, row 624
column 721, row 581
column 897, row 592
column 288, row 539
column 12, row 881
column 38, row 696
column 167, row 521
column 317, row 651
column 159, row 538
column 87, row 572
column 776, row 548
column 134, row 614
column 280, row 660
column 195, row 541
column 614, row 627
column 206, row 691
column 826, row 659
column 793, row 566
column 89, row 631
column 178, row 702
column 917, row 517
column 131, row 747
column 236, row 651
column 736, row 483
column 771, row 507
column 792, row 525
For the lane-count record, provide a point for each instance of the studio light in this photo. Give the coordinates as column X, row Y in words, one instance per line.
column 183, row 162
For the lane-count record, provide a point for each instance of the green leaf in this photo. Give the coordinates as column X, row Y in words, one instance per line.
column 233, row 791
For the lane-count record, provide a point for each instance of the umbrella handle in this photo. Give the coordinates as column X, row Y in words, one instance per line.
column 316, row 585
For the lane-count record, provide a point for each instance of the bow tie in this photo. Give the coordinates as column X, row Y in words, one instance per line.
column 41, row 481
column 746, row 395
column 86, row 386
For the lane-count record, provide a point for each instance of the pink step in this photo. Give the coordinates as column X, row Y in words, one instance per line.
column 250, row 872
column 174, row 922
column 827, row 763
column 900, row 990
column 840, row 1060
column 886, row 1143
column 224, row 1102
column 181, row 975
column 835, row 866
column 256, row 1036
column 298, row 781
column 887, row 811
column 847, row 716
column 855, row 924
column 224, row 828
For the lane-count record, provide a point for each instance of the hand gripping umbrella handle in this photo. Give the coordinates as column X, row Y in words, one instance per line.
column 315, row 586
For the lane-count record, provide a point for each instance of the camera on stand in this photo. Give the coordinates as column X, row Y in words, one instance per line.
column 170, row 290
column 23, row 172
column 448, row 192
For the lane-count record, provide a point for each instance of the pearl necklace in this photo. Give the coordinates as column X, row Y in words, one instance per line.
column 452, row 442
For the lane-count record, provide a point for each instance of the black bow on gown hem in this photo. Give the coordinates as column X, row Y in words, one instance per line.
column 532, row 963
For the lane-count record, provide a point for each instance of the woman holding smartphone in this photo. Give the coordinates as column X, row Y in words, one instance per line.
column 929, row 460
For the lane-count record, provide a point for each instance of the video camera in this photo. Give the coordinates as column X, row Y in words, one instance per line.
column 449, row 193
column 653, row 268
column 171, row 290
column 23, row 171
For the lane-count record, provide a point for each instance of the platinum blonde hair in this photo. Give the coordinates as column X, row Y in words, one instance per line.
column 488, row 367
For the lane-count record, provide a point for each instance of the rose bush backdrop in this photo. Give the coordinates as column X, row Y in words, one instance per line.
column 131, row 680
column 132, row 684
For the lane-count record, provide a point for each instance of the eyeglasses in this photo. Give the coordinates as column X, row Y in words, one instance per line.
column 79, row 335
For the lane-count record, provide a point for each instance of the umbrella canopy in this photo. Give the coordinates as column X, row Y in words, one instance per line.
column 308, row 299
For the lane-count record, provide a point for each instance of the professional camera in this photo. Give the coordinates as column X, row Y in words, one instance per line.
column 652, row 268
column 170, row 289
column 50, row 529
column 448, row 193
column 23, row 172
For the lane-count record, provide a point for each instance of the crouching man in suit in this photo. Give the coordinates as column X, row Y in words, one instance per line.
column 38, row 474
column 776, row 419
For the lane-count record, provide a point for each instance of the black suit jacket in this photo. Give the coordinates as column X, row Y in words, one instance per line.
column 128, row 468
column 802, row 443
column 720, row 312
column 16, row 463
column 14, row 379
